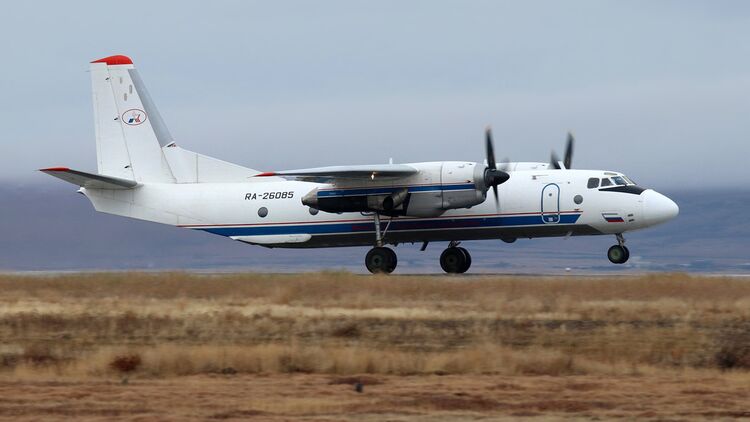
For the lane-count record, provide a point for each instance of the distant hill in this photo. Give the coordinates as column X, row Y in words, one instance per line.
column 50, row 228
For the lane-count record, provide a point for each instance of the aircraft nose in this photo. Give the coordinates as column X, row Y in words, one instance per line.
column 657, row 208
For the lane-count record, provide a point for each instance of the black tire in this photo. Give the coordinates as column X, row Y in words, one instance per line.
column 452, row 261
column 467, row 260
column 380, row 260
column 618, row 254
column 393, row 260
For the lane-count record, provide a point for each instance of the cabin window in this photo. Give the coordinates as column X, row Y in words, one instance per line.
column 313, row 211
column 578, row 199
column 262, row 212
column 593, row 183
column 606, row 182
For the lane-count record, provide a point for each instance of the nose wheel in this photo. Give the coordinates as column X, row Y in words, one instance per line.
column 618, row 254
column 455, row 260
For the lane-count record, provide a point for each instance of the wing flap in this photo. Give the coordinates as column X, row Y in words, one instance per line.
column 89, row 180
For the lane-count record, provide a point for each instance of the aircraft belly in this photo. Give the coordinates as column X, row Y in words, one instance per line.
column 418, row 236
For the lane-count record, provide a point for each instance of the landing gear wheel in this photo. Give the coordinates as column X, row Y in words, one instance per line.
column 455, row 260
column 618, row 254
column 467, row 261
column 381, row 260
column 393, row 260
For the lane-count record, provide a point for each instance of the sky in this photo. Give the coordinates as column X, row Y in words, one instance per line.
column 659, row 90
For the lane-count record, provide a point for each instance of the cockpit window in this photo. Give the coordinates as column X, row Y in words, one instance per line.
column 606, row 182
column 593, row 183
column 619, row 181
column 629, row 180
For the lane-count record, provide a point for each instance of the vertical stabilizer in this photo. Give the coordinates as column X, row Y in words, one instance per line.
column 130, row 132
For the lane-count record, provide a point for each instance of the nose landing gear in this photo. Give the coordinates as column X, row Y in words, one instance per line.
column 455, row 259
column 619, row 253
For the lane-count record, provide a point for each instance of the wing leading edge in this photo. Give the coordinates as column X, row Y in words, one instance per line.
column 380, row 171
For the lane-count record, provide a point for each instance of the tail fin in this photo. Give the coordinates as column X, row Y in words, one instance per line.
column 132, row 141
column 129, row 129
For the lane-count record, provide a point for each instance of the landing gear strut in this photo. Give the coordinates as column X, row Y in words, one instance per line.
column 619, row 253
column 455, row 259
column 380, row 259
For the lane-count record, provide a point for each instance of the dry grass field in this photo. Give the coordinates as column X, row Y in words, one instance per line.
column 289, row 347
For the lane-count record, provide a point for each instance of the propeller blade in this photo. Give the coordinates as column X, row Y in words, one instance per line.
column 554, row 161
column 569, row 151
column 490, row 149
column 492, row 175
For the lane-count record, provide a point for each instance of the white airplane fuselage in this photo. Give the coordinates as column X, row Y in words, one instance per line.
column 532, row 203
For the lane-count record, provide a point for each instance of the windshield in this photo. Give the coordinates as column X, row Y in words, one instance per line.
column 619, row 181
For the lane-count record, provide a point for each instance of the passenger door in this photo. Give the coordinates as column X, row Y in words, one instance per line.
column 551, row 204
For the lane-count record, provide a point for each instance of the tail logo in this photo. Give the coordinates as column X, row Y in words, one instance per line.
column 134, row 117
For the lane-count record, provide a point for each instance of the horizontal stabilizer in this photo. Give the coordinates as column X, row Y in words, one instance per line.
column 88, row 180
column 347, row 172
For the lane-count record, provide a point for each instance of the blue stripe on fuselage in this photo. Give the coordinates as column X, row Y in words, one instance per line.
column 388, row 190
column 395, row 225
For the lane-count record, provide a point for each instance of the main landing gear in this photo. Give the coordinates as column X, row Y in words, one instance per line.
column 455, row 259
column 382, row 260
column 619, row 253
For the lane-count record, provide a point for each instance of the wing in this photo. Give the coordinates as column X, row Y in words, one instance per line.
column 370, row 172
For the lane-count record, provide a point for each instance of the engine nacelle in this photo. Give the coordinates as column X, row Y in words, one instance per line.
column 463, row 185
column 436, row 188
column 386, row 203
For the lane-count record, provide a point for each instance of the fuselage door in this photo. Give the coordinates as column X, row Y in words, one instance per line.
column 551, row 204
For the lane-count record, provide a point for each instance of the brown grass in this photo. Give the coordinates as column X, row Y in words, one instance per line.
column 339, row 323
column 508, row 346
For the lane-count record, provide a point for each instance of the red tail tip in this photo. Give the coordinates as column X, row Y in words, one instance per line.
column 265, row 174
column 119, row 59
column 55, row 169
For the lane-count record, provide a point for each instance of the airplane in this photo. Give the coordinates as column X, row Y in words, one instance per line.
column 143, row 174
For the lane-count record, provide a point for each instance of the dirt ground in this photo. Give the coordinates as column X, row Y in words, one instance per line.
column 317, row 397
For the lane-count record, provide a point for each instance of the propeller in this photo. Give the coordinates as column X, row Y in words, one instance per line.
column 568, row 160
column 493, row 176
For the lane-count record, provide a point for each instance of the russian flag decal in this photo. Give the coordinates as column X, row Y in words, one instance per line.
column 612, row 217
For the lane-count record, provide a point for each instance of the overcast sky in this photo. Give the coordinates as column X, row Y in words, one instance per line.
column 657, row 89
